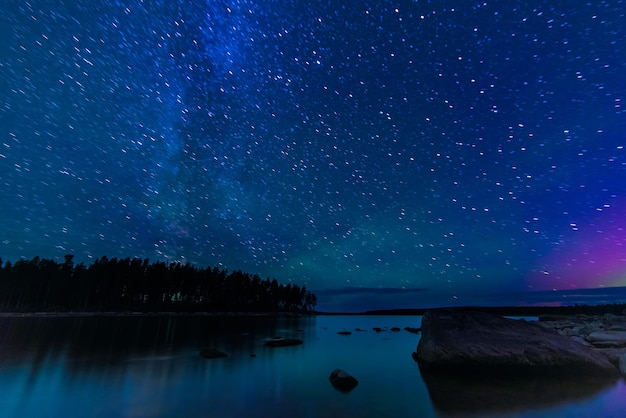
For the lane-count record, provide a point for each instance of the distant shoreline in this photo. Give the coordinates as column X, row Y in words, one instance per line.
column 616, row 309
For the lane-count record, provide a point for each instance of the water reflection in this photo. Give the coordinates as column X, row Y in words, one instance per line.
column 136, row 366
column 106, row 342
column 477, row 396
column 119, row 337
column 150, row 367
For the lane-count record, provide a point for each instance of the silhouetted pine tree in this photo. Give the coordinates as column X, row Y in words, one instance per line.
column 138, row 285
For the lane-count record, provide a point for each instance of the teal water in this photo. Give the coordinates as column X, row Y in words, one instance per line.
column 150, row 367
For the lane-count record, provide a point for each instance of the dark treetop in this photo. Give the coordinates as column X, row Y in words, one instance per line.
column 138, row 285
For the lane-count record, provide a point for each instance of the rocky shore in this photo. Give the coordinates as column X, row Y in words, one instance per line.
column 604, row 334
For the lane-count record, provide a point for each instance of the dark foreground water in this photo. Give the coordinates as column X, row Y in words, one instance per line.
column 150, row 367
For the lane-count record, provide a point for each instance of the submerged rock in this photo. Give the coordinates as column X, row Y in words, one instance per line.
column 459, row 342
column 342, row 381
column 344, row 333
column 211, row 353
column 282, row 342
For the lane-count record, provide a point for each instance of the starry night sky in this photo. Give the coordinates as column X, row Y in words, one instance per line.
column 460, row 147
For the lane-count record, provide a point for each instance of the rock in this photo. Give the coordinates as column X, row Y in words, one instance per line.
column 342, row 381
column 282, row 342
column 459, row 342
column 580, row 341
column 395, row 329
column 577, row 331
column 607, row 338
column 413, row 330
column 378, row 329
column 211, row 353
column 568, row 332
column 344, row 333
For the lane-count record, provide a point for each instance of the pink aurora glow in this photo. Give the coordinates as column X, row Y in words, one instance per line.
column 589, row 256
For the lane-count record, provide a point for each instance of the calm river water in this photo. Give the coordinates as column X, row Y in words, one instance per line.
column 150, row 367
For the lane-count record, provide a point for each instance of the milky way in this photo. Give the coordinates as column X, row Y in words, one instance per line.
column 465, row 146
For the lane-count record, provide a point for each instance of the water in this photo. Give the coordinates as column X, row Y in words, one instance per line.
column 150, row 367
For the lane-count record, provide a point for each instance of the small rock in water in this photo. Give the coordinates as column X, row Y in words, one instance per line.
column 342, row 381
column 395, row 329
column 412, row 330
column 282, row 342
column 344, row 333
column 377, row 329
column 211, row 353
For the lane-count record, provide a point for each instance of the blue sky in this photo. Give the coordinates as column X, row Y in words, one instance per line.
column 469, row 149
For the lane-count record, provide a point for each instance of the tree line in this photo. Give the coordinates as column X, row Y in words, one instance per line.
column 135, row 284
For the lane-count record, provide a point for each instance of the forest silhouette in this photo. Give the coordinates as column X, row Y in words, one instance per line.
column 125, row 285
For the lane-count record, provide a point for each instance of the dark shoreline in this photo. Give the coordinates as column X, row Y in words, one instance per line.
column 146, row 314
column 616, row 309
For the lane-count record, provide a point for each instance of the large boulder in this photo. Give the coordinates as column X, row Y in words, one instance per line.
column 458, row 342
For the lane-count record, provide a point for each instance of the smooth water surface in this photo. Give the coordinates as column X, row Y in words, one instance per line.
column 150, row 367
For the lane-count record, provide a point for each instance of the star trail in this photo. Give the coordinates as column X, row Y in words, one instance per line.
column 464, row 147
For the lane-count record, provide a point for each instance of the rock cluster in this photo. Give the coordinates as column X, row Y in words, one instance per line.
column 605, row 334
